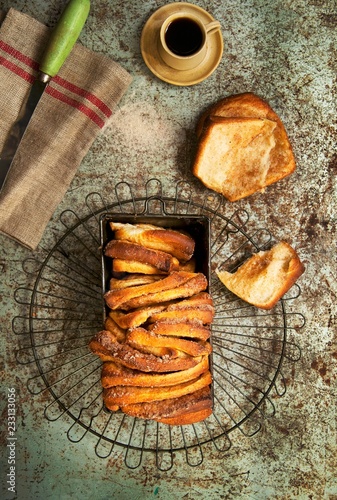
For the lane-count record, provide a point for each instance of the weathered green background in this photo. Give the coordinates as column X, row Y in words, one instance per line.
column 285, row 51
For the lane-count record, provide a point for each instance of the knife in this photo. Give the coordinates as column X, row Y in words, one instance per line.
column 60, row 44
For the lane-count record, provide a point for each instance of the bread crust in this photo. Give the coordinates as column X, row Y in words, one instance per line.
column 106, row 346
column 187, row 418
column 136, row 317
column 116, row 299
column 198, row 307
column 133, row 280
column 176, row 243
column 112, row 326
column 128, row 251
column 266, row 276
column 138, row 337
column 181, row 328
column 204, row 314
column 143, row 269
column 190, row 408
column 197, row 283
column 124, row 395
column 135, row 266
column 114, row 374
column 245, row 105
column 199, row 299
column 281, row 160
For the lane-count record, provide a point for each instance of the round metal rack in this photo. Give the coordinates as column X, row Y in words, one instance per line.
column 64, row 311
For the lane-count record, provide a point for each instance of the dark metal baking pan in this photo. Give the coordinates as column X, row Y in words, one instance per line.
column 198, row 227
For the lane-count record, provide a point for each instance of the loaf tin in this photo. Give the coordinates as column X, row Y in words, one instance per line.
column 198, row 227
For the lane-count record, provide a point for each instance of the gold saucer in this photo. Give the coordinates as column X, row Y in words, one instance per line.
column 149, row 47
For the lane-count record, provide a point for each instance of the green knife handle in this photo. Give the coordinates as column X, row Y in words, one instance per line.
column 64, row 36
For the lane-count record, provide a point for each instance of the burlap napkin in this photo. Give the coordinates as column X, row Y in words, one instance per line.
column 70, row 114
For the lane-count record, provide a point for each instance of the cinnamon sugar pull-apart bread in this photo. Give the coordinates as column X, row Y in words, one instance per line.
column 266, row 276
column 155, row 345
column 243, row 147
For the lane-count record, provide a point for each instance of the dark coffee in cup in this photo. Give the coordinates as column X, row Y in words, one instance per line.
column 183, row 36
column 183, row 40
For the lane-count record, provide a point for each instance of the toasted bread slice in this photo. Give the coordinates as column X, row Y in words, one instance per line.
column 136, row 317
column 246, row 105
column 139, row 337
column 266, row 276
column 181, row 328
column 234, row 155
column 188, row 266
column 192, row 407
column 135, row 267
column 125, row 395
column 114, row 374
column 174, row 242
column 198, row 307
column 203, row 313
column 113, row 327
column 200, row 299
column 187, row 418
column 133, row 279
column 243, row 147
column 116, row 298
column 194, row 285
column 126, row 250
column 105, row 345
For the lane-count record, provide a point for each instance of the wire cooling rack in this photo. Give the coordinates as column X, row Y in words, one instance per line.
column 64, row 311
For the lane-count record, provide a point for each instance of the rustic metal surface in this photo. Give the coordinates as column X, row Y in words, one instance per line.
column 286, row 52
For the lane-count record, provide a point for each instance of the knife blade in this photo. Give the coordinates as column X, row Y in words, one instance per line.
column 60, row 44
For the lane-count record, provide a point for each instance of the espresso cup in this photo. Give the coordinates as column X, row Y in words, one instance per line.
column 183, row 40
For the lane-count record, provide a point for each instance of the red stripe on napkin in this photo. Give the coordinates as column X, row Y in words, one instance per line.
column 28, row 61
column 83, row 93
column 19, row 56
column 75, row 104
column 17, row 70
column 53, row 92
